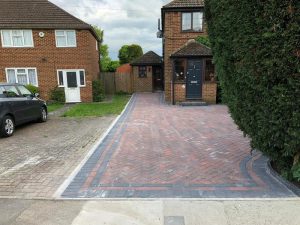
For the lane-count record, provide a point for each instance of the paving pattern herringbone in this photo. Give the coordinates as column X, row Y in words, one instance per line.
column 158, row 150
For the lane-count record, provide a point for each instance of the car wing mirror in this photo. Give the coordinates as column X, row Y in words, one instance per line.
column 37, row 95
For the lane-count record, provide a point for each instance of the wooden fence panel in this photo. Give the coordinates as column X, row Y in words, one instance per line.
column 108, row 80
column 123, row 82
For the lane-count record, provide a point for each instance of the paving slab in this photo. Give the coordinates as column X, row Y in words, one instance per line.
column 40, row 156
column 160, row 151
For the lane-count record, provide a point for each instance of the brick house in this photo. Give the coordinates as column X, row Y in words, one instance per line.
column 43, row 45
column 147, row 73
column 188, row 67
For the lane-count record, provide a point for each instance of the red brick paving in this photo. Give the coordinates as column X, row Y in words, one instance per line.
column 158, row 150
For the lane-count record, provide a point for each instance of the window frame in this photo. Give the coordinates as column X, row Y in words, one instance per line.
column 26, row 72
column 64, row 71
column 11, row 39
column 66, row 38
column 145, row 70
column 192, row 22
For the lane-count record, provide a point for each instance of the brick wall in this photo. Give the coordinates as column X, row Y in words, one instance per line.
column 209, row 92
column 174, row 39
column 47, row 58
column 142, row 84
column 180, row 92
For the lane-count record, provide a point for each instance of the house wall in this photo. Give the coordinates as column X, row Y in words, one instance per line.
column 142, row 84
column 174, row 39
column 47, row 58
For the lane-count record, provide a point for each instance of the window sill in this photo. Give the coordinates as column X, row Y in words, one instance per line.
column 191, row 31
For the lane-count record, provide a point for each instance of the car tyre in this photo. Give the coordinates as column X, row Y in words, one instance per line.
column 43, row 115
column 7, row 126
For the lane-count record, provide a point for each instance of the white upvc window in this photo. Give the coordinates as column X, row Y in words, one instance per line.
column 65, row 38
column 17, row 38
column 22, row 76
column 62, row 76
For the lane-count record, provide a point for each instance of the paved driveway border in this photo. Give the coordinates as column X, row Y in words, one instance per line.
column 69, row 180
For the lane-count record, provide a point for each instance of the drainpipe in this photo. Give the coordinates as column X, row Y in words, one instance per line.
column 172, row 83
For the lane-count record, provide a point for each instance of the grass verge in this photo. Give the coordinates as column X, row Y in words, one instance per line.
column 54, row 107
column 99, row 109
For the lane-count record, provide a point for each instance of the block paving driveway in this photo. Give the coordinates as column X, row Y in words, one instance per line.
column 161, row 151
column 41, row 156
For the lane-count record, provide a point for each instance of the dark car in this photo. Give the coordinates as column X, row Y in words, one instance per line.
column 18, row 106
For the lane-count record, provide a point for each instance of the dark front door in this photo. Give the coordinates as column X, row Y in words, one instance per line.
column 158, row 80
column 194, row 79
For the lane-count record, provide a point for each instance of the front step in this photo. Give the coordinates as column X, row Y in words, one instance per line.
column 193, row 103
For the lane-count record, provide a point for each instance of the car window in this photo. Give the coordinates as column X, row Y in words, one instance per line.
column 11, row 91
column 24, row 91
column 2, row 95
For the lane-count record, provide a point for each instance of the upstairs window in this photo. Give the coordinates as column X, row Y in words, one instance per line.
column 16, row 38
column 22, row 76
column 192, row 21
column 65, row 38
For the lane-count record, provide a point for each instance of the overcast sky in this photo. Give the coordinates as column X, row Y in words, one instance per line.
column 123, row 21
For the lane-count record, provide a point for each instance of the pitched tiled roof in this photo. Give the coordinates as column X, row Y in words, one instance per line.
column 185, row 4
column 192, row 48
column 37, row 14
column 150, row 58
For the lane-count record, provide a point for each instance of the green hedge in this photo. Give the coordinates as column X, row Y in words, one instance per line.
column 98, row 91
column 254, row 45
column 58, row 95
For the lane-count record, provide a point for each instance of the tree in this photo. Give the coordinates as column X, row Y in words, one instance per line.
column 128, row 53
column 203, row 40
column 99, row 32
column 255, row 47
column 106, row 64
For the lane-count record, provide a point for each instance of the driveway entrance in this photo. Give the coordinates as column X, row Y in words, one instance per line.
column 161, row 151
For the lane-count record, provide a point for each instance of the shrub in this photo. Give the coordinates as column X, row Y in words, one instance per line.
column 58, row 95
column 98, row 91
column 203, row 40
column 32, row 89
column 255, row 46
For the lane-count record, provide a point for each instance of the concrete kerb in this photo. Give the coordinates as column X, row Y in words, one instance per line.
column 68, row 181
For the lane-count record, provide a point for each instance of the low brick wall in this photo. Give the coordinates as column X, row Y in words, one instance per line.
column 209, row 92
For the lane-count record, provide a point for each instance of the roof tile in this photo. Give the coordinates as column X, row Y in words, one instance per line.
column 150, row 58
column 192, row 48
column 41, row 14
column 185, row 4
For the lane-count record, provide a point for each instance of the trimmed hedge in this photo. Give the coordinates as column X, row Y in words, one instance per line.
column 98, row 91
column 256, row 50
column 58, row 95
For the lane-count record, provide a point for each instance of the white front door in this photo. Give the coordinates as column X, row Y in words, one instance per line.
column 72, row 89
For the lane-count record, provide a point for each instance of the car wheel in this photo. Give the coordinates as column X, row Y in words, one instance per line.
column 7, row 126
column 43, row 115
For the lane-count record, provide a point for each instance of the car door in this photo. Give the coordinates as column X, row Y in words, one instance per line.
column 32, row 103
column 17, row 104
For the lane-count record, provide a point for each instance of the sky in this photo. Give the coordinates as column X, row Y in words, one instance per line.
column 123, row 21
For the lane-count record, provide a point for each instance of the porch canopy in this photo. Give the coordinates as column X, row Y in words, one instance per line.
column 192, row 49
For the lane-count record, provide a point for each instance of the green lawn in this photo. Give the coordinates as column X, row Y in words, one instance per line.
column 99, row 109
column 54, row 107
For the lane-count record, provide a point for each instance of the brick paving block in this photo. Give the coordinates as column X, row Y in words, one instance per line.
column 161, row 151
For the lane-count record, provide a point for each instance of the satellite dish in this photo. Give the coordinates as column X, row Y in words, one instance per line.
column 42, row 34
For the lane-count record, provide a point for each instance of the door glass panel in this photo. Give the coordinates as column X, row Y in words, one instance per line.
column 2, row 95
column 179, row 70
column 72, row 79
column 60, row 78
column 82, row 79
